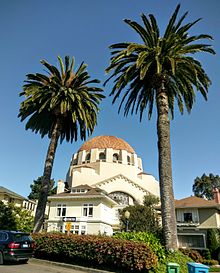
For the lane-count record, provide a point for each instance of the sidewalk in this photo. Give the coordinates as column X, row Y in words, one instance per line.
column 76, row 267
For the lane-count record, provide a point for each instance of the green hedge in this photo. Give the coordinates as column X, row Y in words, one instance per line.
column 91, row 250
column 146, row 237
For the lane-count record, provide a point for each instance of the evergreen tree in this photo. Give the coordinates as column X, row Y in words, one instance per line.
column 203, row 186
column 7, row 219
column 142, row 217
column 36, row 188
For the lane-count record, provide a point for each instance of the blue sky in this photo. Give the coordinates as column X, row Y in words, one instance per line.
column 34, row 30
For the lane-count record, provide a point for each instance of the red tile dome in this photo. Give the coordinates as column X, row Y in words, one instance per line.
column 103, row 142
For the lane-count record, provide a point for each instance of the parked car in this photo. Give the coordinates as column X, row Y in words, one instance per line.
column 15, row 246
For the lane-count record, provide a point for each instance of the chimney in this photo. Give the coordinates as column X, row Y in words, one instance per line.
column 60, row 186
column 216, row 195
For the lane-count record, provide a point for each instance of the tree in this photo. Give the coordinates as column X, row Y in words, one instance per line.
column 15, row 218
column 62, row 105
column 142, row 217
column 7, row 220
column 160, row 70
column 36, row 188
column 203, row 186
column 23, row 218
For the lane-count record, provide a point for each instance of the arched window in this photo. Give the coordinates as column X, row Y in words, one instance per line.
column 88, row 157
column 115, row 157
column 75, row 161
column 128, row 159
column 102, row 156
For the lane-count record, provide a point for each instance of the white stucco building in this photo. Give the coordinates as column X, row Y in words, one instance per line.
column 104, row 175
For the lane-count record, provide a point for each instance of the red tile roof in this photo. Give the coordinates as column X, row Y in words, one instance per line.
column 103, row 142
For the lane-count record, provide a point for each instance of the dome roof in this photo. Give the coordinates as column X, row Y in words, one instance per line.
column 103, row 142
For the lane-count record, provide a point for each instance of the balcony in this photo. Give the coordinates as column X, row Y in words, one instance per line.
column 188, row 223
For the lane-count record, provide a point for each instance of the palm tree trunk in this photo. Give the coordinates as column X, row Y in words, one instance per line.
column 165, row 171
column 48, row 166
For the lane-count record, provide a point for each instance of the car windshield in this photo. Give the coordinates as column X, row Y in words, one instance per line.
column 21, row 237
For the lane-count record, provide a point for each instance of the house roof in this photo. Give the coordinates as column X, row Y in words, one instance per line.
column 11, row 193
column 90, row 193
column 103, row 142
column 83, row 186
column 195, row 202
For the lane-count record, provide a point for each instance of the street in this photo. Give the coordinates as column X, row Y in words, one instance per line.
column 36, row 267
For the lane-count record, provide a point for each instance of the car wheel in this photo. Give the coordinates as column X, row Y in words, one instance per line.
column 1, row 258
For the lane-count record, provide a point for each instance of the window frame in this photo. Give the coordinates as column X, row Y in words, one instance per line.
column 61, row 210
column 88, row 210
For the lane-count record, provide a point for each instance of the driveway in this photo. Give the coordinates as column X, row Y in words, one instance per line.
column 36, row 266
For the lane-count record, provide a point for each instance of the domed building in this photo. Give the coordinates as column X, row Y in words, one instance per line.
column 105, row 174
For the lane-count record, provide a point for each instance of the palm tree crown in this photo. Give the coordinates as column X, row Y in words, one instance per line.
column 168, row 60
column 62, row 96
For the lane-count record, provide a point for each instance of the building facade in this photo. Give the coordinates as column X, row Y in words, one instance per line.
column 195, row 216
column 109, row 166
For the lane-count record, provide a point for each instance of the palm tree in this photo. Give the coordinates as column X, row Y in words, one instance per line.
column 161, row 69
column 62, row 105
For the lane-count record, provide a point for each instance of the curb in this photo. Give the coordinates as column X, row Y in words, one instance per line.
column 77, row 267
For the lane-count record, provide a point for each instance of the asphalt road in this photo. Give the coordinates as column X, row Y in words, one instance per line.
column 37, row 267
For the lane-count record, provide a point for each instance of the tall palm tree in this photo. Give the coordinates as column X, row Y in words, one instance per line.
column 160, row 70
column 62, row 105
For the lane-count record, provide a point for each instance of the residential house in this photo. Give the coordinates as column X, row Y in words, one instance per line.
column 9, row 197
column 84, row 210
column 194, row 217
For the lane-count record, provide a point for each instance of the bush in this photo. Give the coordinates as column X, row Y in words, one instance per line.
column 212, row 240
column 210, row 262
column 91, row 251
column 149, row 238
column 175, row 257
column 205, row 254
column 193, row 254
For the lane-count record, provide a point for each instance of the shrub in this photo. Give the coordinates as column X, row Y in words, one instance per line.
column 212, row 241
column 193, row 254
column 95, row 250
column 149, row 238
column 205, row 254
column 210, row 262
column 175, row 257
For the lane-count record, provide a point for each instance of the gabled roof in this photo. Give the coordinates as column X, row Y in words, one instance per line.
column 92, row 192
column 195, row 202
column 83, row 186
column 11, row 193
column 121, row 176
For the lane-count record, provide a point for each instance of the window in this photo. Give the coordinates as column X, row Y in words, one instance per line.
column 115, row 157
column 75, row 229
column 3, row 236
column 188, row 217
column 128, row 159
column 83, row 230
column 88, row 210
column 75, row 161
column 88, row 157
column 61, row 210
column 78, row 190
column 11, row 200
column 102, row 156
column 191, row 241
